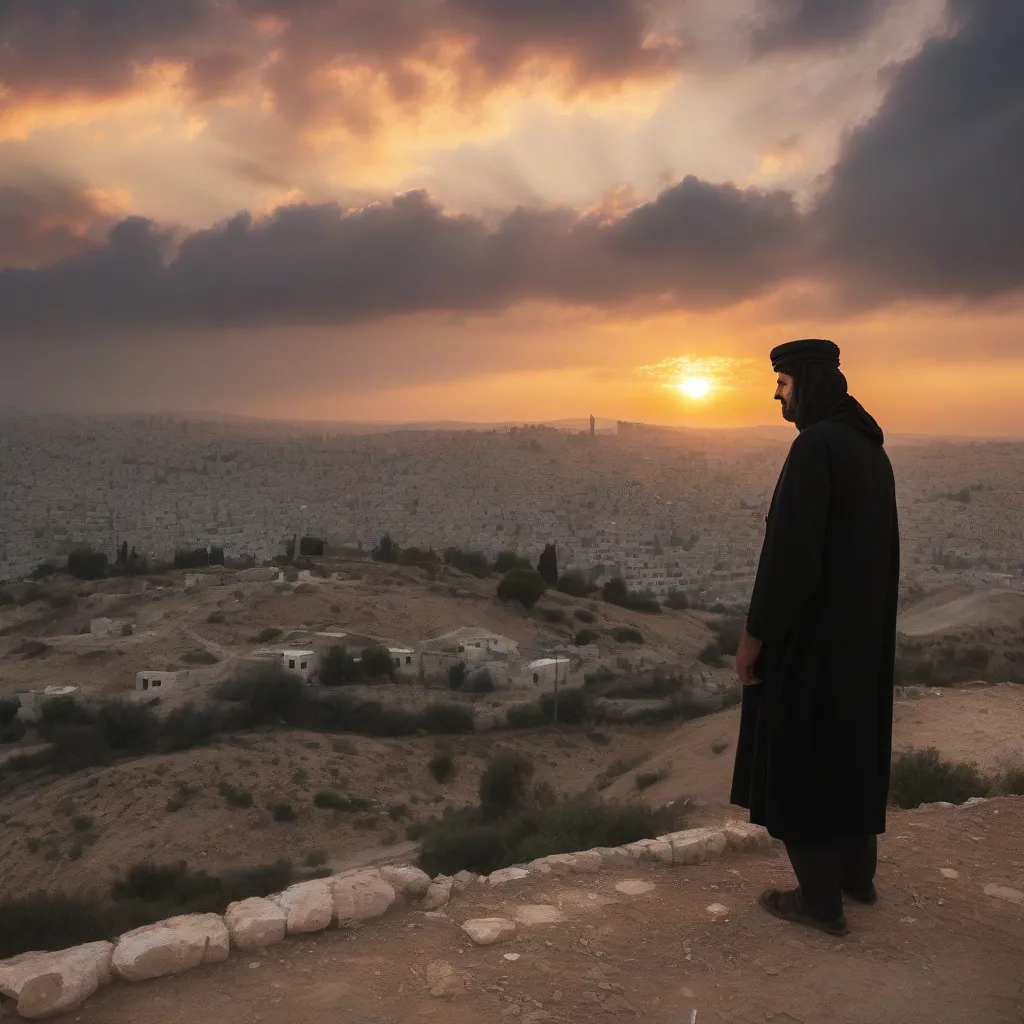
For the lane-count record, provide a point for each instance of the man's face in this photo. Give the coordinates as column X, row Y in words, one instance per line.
column 784, row 394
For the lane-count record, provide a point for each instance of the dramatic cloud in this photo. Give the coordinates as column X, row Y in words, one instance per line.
column 332, row 58
column 44, row 219
column 697, row 246
column 926, row 198
column 808, row 24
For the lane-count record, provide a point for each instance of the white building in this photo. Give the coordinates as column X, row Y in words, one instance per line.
column 153, row 681
column 300, row 661
column 405, row 661
column 544, row 673
column 31, row 699
column 473, row 644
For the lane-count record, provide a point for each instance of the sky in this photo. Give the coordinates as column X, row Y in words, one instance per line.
column 491, row 210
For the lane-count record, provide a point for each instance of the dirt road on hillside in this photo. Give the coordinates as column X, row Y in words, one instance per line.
column 936, row 950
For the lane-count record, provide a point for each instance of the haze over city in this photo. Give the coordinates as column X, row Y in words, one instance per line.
column 495, row 210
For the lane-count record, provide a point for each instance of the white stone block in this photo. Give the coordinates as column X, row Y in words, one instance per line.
column 438, row 895
column 587, row 862
column 309, row 906
column 506, row 875
column 486, row 931
column 742, row 835
column 255, row 924
column 46, row 984
column 361, row 897
column 170, row 947
column 406, row 881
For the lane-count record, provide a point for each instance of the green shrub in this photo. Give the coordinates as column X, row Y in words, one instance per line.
column 719, row 747
column 472, row 562
column 268, row 635
column 127, row 728
column 442, row 766
column 585, row 637
column 82, row 822
column 396, row 812
column 456, row 675
column 188, row 727
column 282, row 812
column 730, row 632
column 676, row 600
column 86, row 564
column 627, row 635
column 575, row 584
column 585, row 616
column 328, row 799
column 9, row 708
column 506, row 561
column 525, row 716
column 523, row 585
column 315, row 858
column 1012, row 781
column 481, row 681
column 923, row 776
column 572, row 706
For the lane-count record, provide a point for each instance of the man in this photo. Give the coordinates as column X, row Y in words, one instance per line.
column 817, row 655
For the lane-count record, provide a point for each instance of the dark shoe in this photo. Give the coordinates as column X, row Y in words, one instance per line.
column 789, row 906
column 866, row 896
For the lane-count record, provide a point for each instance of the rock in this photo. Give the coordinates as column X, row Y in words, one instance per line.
column 360, row 897
column 949, row 873
column 657, row 850
column 255, row 924
column 587, row 862
column 438, row 895
column 309, row 906
column 634, row 887
column 937, row 805
column 615, row 856
column 486, row 931
column 506, row 875
column 975, row 801
column 556, row 864
column 742, row 835
column 537, row 914
column 45, row 984
column 443, row 980
column 718, row 911
column 170, row 947
column 1002, row 892
column 510, row 957
column 463, row 880
column 408, row 882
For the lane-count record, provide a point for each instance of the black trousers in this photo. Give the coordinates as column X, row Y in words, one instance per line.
column 824, row 871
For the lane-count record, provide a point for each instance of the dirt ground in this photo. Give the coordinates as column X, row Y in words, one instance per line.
column 983, row 724
column 933, row 951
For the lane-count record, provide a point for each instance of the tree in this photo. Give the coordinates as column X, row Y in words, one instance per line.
column 216, row 555
column 547, row 565
column 575, row 584
column 86, row 564
column 386, row 550
column 9, row 707
column 122, row 554
column 615, row 591
column 311, row 547
column 523, row 585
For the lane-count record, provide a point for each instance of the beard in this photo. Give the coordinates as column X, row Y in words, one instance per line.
column 788, row 410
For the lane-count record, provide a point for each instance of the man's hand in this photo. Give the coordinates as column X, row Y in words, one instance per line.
column 746, row 655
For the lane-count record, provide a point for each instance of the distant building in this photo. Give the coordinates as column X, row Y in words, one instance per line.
column 473, row 644
column 405, row 661
column 300, row 661
column 151, row 680
column 544, row 673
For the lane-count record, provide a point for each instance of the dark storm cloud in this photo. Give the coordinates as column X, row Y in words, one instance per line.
column 44, row 219
column 811, row 24
column 54, row 48
column 697, row 245
column 926, row 199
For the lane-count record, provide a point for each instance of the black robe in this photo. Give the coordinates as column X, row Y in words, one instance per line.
column 812, row 759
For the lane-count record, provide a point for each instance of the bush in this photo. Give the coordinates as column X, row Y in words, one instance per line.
column 311, row 547
column 677, row 600
column 481, row 681
column 315, row 858
column 340, row 668
column 282, row 812
column 553, row 615
column 376, row 664
column 1012, row 781
column 572, row 706
column 86, row 564
column 730, row 632
column 81, row 823
column 442, row 766
column 585, row 616
column 719, row 747
column 711, row 655
column 456, row 675
column 43, row 570
column 627, row 635
column 525, row 716
column 923, row 776
column 13, row 732
column 447, row 719
column 268, row 635
column 505, row 783
column 466, row 840
column 386, row 551
column 615, row 591
column 586, row 637
column 188, row 727
column 127, row 728
column 523, row 585
column 472, row 562
column 215, row 618
column 267, row 694
column 506, row 561
column 235, row 797
column 329, row 800
column 9, row 708
column 644, row 780
column 575, row 584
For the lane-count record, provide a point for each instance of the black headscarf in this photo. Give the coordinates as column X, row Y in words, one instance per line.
column 820, row 386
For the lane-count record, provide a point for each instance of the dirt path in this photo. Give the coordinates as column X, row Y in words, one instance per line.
column 934, row 950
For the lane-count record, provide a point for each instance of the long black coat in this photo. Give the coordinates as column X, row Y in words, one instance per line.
column 812, row 760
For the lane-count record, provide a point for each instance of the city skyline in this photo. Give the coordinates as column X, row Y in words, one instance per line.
column 507, row 210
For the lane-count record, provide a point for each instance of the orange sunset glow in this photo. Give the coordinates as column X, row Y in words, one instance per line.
column 512, row 210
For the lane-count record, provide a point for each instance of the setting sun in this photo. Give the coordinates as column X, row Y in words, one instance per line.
column 695, row 387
